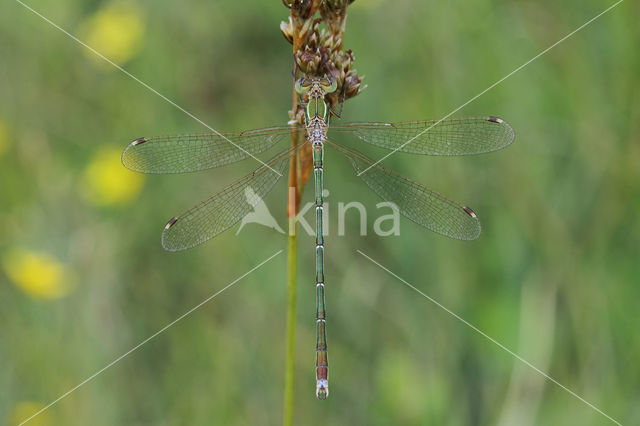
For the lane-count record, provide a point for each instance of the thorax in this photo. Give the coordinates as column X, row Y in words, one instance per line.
column 316, row 130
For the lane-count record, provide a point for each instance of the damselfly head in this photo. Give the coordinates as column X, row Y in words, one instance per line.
column 303, row 85
column 317, row 86
column 328, row 84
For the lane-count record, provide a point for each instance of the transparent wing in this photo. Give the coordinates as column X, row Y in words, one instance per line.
column 415, row 201
column 221, row 211
column 199, row 151
column 454, row 136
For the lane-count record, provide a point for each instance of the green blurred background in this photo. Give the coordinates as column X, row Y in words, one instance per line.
column 555, row 276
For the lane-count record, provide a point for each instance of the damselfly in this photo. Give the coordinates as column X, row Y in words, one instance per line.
column 194, row 152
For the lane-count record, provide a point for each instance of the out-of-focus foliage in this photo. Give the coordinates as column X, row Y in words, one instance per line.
column 37, row 274
column 25, row 409
column 4, row 139
column 555, row 275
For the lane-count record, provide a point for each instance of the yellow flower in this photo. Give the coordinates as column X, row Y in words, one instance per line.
column 115, row 31
column 37, row 274
column 107, row 182
column 4, row 138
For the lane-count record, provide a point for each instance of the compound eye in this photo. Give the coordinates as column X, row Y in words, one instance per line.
column 329, row 85
column 303, row 85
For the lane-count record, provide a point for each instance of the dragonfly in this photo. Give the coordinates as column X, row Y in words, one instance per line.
column 429, row 209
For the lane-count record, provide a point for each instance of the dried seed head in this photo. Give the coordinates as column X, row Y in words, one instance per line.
column 303, row 9
column 287, row 29
column 320, row 52
column 308, row 61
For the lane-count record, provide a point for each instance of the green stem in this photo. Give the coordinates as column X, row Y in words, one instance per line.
column 292, row 210
column 291, row 323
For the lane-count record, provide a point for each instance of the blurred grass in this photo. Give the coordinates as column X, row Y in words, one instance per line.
column 555, row 275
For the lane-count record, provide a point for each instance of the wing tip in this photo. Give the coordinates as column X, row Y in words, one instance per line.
column 511, row 133
column 123, row 158
column 474, row 216
column 165, row 240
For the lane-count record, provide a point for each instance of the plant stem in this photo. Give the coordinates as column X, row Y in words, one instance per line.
column 292, row 209
column 291, row 325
